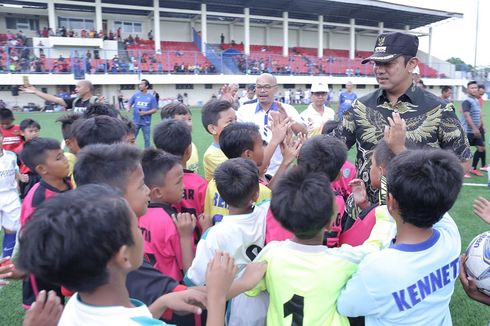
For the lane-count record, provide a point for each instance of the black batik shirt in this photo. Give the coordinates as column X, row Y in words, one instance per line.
column 430, row 122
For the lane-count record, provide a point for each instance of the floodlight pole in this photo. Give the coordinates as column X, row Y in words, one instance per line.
column 476, row 32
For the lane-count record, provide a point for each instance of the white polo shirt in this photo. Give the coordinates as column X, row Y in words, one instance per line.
column 314, row 120
column 255, row 114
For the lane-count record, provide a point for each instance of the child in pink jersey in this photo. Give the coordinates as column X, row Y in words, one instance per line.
column 174, row 137
column 168, row 241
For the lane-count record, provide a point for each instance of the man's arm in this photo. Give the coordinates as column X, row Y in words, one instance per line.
column 44, row 96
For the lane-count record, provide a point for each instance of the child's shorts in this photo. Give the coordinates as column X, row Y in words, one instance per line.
column 10, row 210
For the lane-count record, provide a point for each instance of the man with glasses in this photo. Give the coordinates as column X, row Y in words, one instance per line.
column 317, row 112
column 429, row 121
column 259, row 113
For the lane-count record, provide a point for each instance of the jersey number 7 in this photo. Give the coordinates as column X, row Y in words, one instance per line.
column 295, row 306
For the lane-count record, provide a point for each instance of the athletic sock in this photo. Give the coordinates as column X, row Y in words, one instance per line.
column 476, row 158
column 483, row 158
column 8, row 244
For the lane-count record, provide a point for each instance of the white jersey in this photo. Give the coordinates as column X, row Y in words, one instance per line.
column 314, row 120
column 255, row 114
column 77, row 313
column 407, row 284
column 8, row 169
column 242, row 236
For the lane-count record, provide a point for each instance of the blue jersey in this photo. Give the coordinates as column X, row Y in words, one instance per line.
column 345, row 100
column 142, row 102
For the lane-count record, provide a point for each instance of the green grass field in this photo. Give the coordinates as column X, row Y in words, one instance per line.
column 465, row 312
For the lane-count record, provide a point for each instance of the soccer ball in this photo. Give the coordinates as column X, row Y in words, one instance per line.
column 478, row 263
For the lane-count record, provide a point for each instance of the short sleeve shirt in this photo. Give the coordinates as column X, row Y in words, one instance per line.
column 430, row 122
column 472, row 106
column 142, row 102
column 80, row 105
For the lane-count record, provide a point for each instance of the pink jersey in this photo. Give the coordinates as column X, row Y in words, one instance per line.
column 162, row 240
column 36, row 196
column 275, row 232
column 360, row 230
column 194, row 194
column 12, row 138
column 341, row 186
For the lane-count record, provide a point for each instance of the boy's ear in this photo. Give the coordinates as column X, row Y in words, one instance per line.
column 247, row 154
column 392, row 205
column 121, row 258
column 256, row 195
column 188, row 151
column 212, row 129
column 334, row 216
column 41, row 169
column 156, row 192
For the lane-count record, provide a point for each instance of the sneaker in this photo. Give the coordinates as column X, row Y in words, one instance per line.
column 484, row 168
column 476, row 172
column 467, row 175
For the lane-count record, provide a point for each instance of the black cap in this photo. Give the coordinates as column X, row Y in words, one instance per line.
column 390, row 46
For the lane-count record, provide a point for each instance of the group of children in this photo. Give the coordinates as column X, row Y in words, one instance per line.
column 136, row 237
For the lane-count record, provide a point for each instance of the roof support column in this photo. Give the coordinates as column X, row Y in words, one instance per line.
column 320, row 36
column 98, row 15
column 381, row 27
column 51, row 15
column 298, row 39
column 267, row 35
column 430, row 46
column 204, row 28
column 352, row 47
column 156, row 24
column 231, row 32
column 285, row 34
column 246, row 30
column 407, row 28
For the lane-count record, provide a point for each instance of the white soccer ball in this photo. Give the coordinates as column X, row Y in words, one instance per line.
column 478, row 263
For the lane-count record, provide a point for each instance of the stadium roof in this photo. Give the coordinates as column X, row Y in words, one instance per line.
column 365, row 12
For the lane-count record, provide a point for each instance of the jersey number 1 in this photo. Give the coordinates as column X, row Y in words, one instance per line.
column 295, row 306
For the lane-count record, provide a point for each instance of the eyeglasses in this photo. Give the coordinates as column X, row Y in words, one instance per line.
column 265, row 87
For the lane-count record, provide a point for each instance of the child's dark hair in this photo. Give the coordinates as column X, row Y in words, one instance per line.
column 170, row 110
column 172, row 136
column 237, row 181
column 98, row 109
column 6, row 114
column 156, row 164
column 425, row 183
column 323, row 154
column 100, row 130
column 130, row 127
column 53, row 248
column 329, row 126
column 67, row 124
column 107, row 164
column 211, row 112
column 35, row 151
column 383, row 154
column 238, row 137
column 302, row 203
column 29, row 123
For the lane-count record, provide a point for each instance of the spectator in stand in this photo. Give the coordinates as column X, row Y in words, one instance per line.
column 83, row 33
column 137, row 39
column 45, row 32
column 111, row 35
column 63, row 31
column 118, row 34
column 447, row 94
column 222, row 38
column 150, row 35
column 91, row 34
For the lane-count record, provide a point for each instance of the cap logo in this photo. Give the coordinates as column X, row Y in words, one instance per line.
column 380, row 49
column 381, row 41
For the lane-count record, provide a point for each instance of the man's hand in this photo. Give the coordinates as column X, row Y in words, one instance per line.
column 185, row 223
column 23, row 177
column 476, row 132
column 227, row 94
column 279, row 127
column 481, row 207
column 395, row 133
column 44, row 312
column 28, row 90
column 359, row 192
